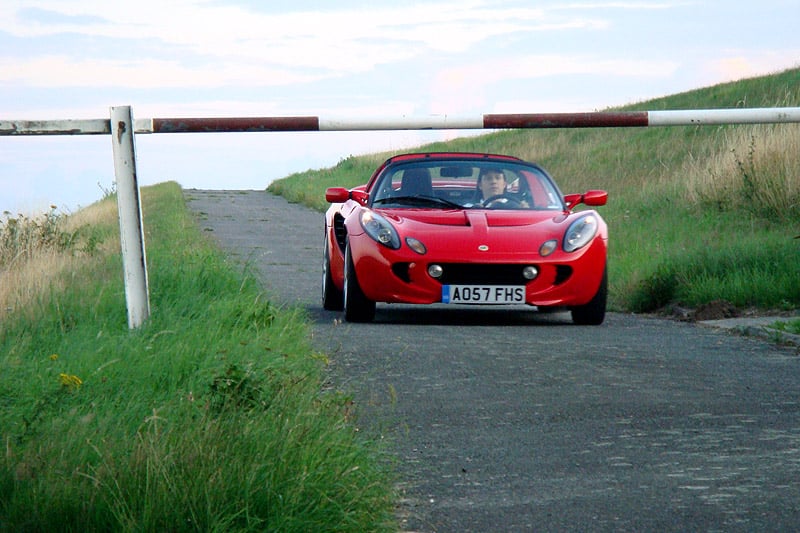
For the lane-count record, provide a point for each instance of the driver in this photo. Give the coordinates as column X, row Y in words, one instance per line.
column 492, row 189
column 491, row 182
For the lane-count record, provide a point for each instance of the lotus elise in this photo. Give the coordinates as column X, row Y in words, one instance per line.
column 464, row 228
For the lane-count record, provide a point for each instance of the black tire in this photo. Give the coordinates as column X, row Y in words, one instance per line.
column 594, row 312
column 332, row 297
column 357, row 307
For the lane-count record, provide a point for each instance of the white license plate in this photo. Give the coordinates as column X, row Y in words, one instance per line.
column 483, row 294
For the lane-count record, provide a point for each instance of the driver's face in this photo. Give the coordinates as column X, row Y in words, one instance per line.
column 493, row 183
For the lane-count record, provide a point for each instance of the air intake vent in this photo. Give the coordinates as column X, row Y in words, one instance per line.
column 563, row 273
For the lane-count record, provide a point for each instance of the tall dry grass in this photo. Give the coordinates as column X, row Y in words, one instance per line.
column 758, row 171
column 38, row 253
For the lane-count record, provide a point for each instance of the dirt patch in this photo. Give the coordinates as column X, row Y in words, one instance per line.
column 715, row 310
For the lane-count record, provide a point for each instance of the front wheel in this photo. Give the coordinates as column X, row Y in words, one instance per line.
column 594, row 312
column 357, row 307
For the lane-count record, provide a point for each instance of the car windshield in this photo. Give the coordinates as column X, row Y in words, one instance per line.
column 465, row 184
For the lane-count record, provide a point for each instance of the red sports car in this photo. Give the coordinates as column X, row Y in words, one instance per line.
column 463, row 228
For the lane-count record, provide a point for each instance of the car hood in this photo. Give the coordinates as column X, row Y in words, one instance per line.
column 500, row 235
column 413, row 219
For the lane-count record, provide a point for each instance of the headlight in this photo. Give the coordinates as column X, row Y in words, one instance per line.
column 379, row 229
column 580, row 233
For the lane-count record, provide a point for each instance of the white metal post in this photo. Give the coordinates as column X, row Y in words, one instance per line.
column 131, row 229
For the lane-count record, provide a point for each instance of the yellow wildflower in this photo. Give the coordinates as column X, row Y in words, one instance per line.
column 54, row 357
column 70, row 381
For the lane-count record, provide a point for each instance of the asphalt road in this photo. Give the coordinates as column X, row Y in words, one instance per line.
column 516, row 421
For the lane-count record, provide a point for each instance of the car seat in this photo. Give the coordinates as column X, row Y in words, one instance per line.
column 416, row 182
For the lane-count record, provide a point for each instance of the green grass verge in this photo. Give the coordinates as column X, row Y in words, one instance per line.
column 211, row 417
column 695, row 214
column 788, row 326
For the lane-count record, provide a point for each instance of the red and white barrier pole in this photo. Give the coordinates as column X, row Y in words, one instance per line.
column 599, row 119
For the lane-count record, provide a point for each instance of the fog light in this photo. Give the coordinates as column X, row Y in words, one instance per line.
column 435, row 271
column 530, row 272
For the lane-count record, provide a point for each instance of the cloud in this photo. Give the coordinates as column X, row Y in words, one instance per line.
column 35, row 15
column 196, row 43
column 64, row 71
column 738, row 64
column 464, row 88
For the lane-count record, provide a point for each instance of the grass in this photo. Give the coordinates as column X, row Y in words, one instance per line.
column 787, row 326
column 695, row 213
column 212, row 416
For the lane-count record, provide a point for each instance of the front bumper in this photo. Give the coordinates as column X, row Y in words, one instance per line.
column 400, row 276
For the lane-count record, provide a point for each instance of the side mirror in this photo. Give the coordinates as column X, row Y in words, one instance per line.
column 590, row 198
column 338, row 195
column 595, row 198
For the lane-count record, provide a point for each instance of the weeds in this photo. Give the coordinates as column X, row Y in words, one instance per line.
column 37, row 253
column 787, row 326
column 655, row 291
column 22, row 236
column 759, row 173
column 236, row 388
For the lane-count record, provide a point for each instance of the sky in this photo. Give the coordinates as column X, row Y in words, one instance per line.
column 63, row 59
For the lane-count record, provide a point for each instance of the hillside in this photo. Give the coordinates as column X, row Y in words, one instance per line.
column 696, row 213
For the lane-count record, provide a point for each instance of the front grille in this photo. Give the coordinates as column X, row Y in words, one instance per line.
column 401, row 271
column 469, row 274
